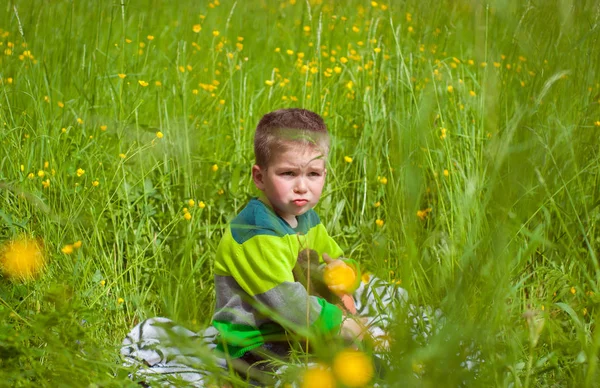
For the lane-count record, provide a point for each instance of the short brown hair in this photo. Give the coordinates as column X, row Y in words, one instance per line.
column 284, row 125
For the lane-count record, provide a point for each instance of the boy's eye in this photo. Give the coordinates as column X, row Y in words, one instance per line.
column 289, row 173
column 314, row 173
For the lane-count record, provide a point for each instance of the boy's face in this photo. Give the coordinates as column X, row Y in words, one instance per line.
column 293, row 181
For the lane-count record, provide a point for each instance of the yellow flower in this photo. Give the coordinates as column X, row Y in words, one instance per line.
column 214, row 168
column 446, row 172
column 340, row 278
column 103, row 127
column 80, row 172
column 377, row 50
column 201, row 205
column 318, row 377
column 67, row 249
column 269, row 82
column 30, row 175
column 373, row 4
column 597, row 123
column 573, row 290
column 472, row 93
column 187, row 216
column 422, row 214
column 353, row 368
column 450, row 89
column 77, row 244
column 383, row 180
column 46, row 183
column 121, row 75
column 347, row 159
column 79, row 120
column 191, row 203
column 60, row 104
column 377, row 204
column 365, row 277
column 443, row 134
column 216, row 33
column 159, row 134
column 150, row 37
column 158, row 83
column 102, row 282
column 197, row 28
column 22, row 258
column 290, row 52
column 379, row 222
column 120, row 301
column 143, row 83
column 306, row 28
column 41, row 173
column 221, row 192
column 122, row 156
column 95, row 183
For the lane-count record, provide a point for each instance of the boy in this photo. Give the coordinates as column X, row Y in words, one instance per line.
column 257, row 297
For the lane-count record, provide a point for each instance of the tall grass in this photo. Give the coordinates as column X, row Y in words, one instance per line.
column 472, row 129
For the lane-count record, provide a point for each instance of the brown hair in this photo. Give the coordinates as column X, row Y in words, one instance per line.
column 276, row 129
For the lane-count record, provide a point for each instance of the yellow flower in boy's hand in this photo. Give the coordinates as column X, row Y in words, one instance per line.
column 339, row 276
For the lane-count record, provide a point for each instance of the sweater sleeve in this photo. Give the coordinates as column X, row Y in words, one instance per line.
column 262, row 266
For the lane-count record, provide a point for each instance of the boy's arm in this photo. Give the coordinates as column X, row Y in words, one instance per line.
column 262, row 266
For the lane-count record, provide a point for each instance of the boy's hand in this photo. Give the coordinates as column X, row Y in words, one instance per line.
column 339, row 276
column 348, row 303
column 354, row 328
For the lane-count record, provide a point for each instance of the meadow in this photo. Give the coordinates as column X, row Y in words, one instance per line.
column 464, row 167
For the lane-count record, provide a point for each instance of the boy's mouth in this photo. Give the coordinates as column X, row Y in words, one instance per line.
column 300, row 202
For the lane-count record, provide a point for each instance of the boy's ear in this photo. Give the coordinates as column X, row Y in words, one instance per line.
column 258, row 177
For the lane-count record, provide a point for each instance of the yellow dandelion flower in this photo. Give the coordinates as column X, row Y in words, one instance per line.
column 77, row 244
column 120, row 301
column 377, row 50
column 201, row 205
column 143, row 83
column 290, row 52
column 197, row 28
column 216, row 33
column 22, row 258
column 95, row 183
column 187, row 216
column 306, row 28
column 159, row 134
column 67, row 249
column 446, row 172
column 450, row 88
column 191, row 202
column 269, row 82
column 41, row 173
column 379, row 222
column 150, row 37
column 80, row 172
column 353, row 368
column 121, row 75
column 340, row 278
column 318, row 377
column 102, row 282
column 383, row 180
column 214, row 168
column 347, row 159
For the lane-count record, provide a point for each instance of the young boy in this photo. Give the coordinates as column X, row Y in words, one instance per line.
column 257, row 297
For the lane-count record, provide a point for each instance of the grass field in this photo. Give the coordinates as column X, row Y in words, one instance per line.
column 464, row 166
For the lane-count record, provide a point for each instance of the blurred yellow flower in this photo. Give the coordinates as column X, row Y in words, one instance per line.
column 221, row 192
column 318, row 377
column 122, row 156
column 290, row 52
column 67, row 249
column 191, row 203
column 377, row 50
column 103, row 127
column 597, row 123
column 201, row 205
column 306, row 28
column 77, row 244
column 159, row 134
column 80, row 172
column 31, row 175
column 353, row 368
column 150, row 37
column 102, row 282
column 187, row 216
column 443, row 134
column 214, row 168
column 450, row 88
column 60, row 104
column 422, row 214
column 197, row 28
column 573, row 290
column 446, row 172
column 377, row 204
column 269, row 82
column 143, row 83
column 347, row 159
column 79, row 120
column 339, row 278
column 120, row 301
column 379, row 222
column 41, row 173
column 22, row 258
column 121, row 75
column 383, row 180
column 95, row 183
column 46, row 183
column 216, row 33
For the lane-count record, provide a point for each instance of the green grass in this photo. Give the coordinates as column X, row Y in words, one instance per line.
column 511, row 237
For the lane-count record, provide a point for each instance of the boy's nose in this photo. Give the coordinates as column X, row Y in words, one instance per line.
column 300, row 186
